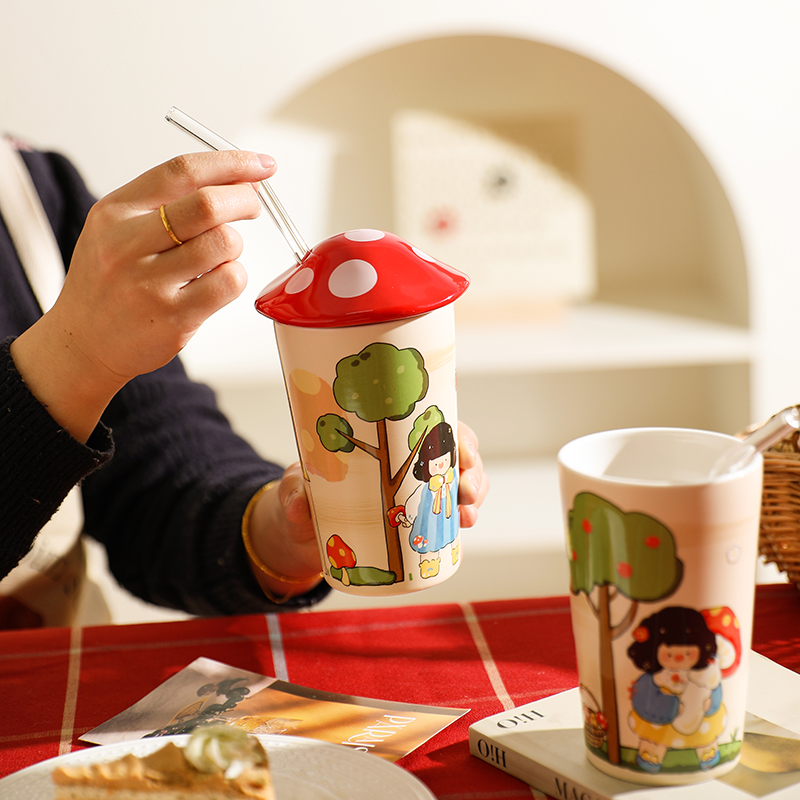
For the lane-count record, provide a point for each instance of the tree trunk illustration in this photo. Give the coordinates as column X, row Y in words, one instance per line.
column 393, row 550
column 609, row 632
column 609, row 696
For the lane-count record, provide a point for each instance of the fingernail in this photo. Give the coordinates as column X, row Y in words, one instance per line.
column 268, row 162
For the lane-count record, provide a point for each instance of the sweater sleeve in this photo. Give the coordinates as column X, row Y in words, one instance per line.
column 169, row 506
column 39, row 462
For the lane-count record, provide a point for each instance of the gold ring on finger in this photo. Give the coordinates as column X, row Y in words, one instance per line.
column 168, row 227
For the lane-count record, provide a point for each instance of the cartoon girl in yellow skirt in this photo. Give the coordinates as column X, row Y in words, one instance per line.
column 677, row 702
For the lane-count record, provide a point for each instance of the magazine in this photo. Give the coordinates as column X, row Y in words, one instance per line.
column 542, row 743
column 209, row 692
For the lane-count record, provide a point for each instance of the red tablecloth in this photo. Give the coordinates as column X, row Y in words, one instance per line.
column 58, row 684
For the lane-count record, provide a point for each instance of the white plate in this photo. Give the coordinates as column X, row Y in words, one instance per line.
column 303, row 769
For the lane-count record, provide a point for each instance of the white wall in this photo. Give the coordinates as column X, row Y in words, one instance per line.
column 94, row 79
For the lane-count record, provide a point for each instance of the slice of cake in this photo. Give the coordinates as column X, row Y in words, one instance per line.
column 218, row 763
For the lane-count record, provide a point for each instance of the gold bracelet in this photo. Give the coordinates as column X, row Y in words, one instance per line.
column 256, row 561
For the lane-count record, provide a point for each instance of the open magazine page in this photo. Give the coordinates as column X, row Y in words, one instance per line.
column 209, row 692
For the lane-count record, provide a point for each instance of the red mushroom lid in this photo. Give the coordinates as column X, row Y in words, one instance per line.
column 358, row 278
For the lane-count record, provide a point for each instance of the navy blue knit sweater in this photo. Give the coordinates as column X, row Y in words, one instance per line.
column 164, row 479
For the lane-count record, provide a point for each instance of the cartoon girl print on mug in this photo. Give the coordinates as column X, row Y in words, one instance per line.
column 432, row 509
column 677, row 703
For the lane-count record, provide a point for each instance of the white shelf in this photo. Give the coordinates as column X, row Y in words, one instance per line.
column 598, row 336
column 593, row 336
column 516, row 550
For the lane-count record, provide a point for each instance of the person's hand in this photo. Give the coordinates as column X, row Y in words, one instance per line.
column 283, row 537
column 282, row 533
column 473, row 482
column 133, row 297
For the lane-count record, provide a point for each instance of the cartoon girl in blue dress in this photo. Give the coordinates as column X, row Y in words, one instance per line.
column 677, row 702
column 436, row 523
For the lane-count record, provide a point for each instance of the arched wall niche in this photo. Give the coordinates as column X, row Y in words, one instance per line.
column 665, row 234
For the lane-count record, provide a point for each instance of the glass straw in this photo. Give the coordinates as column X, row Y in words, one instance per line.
column 264, row 191
column 777, row 428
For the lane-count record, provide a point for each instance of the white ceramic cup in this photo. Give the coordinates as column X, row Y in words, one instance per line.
column 374, row 413
column 662, row 575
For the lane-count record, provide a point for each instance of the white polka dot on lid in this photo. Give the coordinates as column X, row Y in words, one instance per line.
column 364, row 235
column 352, row 278
column 423, row 255
column 274, row 284
column 302, row 279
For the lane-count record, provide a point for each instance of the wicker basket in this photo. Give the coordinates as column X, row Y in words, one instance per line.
column 779, row 534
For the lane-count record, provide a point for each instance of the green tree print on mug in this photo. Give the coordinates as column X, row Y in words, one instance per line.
column 611, row 553
column 381, row 384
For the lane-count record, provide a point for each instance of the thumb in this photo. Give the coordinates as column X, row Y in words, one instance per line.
column 293, row 496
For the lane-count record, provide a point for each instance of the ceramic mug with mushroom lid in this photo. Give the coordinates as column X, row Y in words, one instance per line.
column 366, row 337
column 662, row 554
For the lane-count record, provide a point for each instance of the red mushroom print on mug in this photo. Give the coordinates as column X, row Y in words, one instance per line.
column 366, row 337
